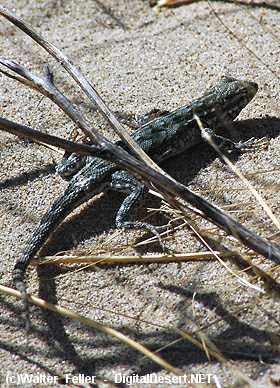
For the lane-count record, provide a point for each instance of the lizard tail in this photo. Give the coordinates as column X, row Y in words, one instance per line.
column 60, row 209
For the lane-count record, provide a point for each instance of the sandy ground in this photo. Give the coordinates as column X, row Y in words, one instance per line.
column 139, row 60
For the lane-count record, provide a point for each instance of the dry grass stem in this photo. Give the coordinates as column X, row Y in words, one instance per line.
column 129, row 259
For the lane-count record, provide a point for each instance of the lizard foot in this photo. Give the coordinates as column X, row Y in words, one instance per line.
column 148, row 227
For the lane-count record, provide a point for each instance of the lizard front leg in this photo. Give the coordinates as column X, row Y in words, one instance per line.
column 227, row 144
column 126, row 183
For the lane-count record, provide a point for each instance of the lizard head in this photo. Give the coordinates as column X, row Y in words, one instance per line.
column 232, row 95
column 70, row 165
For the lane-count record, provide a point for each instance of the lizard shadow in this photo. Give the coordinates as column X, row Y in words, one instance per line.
column 238, row 339
column 87, row 226
column 233, row 335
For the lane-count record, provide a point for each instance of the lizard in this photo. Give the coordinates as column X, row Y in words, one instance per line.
column 161, row 138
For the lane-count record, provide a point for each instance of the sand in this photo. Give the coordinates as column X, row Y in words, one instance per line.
column 139, row 59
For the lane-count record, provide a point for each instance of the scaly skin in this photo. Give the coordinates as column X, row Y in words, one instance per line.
column 160, row 138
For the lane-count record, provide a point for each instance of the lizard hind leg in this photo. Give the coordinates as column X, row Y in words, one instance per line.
column 126, row 183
